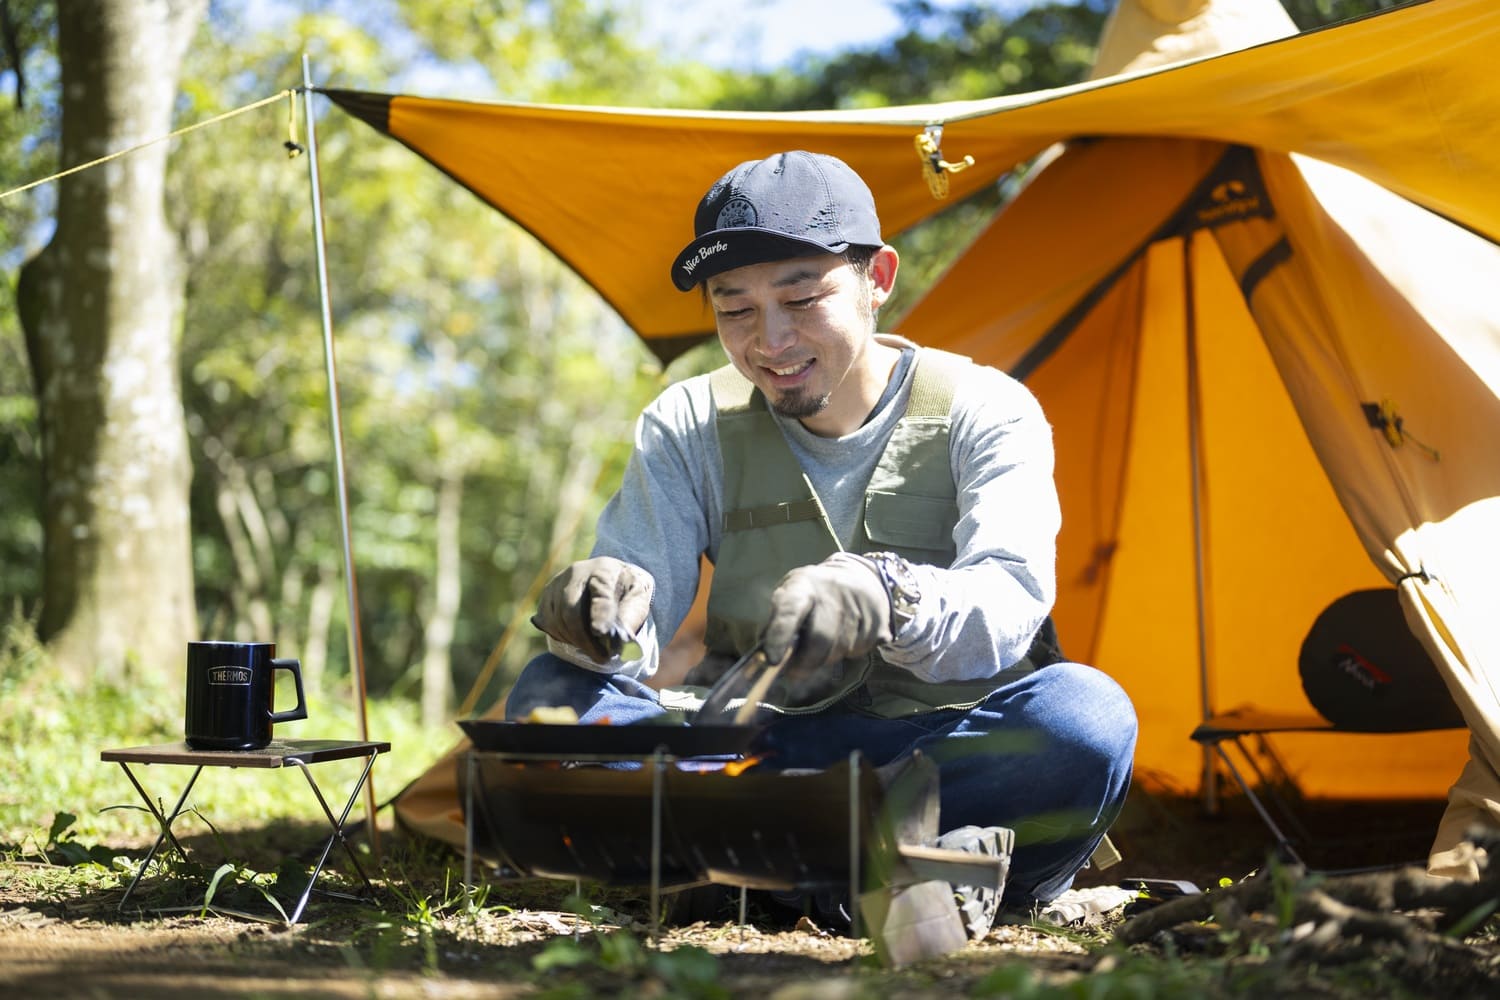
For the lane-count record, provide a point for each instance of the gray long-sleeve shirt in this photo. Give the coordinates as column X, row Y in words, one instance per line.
column 975, row 617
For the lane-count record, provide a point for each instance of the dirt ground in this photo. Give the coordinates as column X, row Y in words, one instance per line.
column 65, row 937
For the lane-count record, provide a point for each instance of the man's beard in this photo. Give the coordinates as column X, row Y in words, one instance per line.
column 799, row 405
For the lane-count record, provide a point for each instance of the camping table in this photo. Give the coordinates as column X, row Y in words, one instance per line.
column 280, row 753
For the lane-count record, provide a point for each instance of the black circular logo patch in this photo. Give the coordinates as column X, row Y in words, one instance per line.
column 737, row 212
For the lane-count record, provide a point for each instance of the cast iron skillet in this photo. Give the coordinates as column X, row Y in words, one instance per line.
column 639, row 740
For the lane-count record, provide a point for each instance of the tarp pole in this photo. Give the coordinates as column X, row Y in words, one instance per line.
column 351, row 586
column 1195, row 459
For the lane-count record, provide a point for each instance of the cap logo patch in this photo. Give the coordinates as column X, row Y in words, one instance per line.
column 737, row 212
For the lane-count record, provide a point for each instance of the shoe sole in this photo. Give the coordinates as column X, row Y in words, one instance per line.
column 977, row 905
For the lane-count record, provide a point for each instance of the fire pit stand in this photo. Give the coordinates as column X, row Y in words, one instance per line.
column 662, row 821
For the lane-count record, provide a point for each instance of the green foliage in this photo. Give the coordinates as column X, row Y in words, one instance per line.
column 53, row 737
column 428, row 909
column 1473, row 920
column 685, row 972
column 229, row 876
column 1011, row 980
column 952, row 53
column 568, row 51
column 1307, row 14
column 1116, row 977
column 1286, row 883
column 28, row 149
column 62, row 846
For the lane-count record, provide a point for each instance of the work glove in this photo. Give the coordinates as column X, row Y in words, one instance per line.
column 597, row 605
column 824, row 613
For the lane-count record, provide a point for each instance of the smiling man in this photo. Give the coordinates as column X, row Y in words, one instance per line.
column 882, row 523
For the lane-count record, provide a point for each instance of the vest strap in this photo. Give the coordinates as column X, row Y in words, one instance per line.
column 772, row 514
column 933, row 384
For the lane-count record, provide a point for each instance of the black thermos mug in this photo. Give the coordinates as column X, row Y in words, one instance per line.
column 231, row 688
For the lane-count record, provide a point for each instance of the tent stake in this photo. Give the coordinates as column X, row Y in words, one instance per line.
column 351, row 586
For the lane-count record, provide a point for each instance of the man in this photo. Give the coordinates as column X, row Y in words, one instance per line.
column 882, row 522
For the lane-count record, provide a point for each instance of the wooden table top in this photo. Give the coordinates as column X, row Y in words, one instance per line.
column 276, row 754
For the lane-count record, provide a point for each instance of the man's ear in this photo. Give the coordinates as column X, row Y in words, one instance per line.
column 883, row 267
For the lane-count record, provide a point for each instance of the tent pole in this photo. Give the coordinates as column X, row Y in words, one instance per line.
column 351, row 586
column 1195, row 459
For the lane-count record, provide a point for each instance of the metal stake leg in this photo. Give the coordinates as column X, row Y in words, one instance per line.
column 1282, row 841
column 854, row 846
column 470, row 777
column 656, row 797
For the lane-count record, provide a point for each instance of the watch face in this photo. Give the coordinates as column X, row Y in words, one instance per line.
column 901, row 582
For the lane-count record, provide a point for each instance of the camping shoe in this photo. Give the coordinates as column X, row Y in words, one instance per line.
column 977, row 905
column 1086, row 907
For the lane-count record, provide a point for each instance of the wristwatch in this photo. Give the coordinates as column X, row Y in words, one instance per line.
column 901, row 584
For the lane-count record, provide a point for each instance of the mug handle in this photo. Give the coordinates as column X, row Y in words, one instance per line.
column 294, row 666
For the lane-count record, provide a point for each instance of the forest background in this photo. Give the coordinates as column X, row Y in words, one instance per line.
column 166, row 461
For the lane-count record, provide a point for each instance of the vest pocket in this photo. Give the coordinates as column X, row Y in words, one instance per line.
column 902, row 521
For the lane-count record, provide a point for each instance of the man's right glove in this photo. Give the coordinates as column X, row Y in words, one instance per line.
column 825, row 613
column 596, row 605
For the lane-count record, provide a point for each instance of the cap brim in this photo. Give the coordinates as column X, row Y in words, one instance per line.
column 726, row 249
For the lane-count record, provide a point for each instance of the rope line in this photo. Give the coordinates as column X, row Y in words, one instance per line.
column 172, row 135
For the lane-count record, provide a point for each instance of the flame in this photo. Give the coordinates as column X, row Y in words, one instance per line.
column 735, row 768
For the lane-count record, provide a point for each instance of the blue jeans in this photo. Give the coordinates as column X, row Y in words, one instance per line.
column 1048, row 754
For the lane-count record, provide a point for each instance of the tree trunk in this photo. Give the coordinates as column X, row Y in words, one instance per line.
column 101, row 307
column 320, row 608
column 437, row 639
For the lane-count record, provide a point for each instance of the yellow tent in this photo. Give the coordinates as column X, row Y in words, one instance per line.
column 1250, row 289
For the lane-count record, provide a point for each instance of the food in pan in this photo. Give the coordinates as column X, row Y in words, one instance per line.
column 556, row 715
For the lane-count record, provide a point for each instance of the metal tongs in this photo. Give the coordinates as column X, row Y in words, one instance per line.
column 751, row 673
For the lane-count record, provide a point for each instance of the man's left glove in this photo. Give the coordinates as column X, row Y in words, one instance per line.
column 596, row 605
column 825, row 613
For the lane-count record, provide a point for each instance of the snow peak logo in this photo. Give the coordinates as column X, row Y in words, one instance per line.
column 691, row 264
column 229, row 675
column 1229, row 201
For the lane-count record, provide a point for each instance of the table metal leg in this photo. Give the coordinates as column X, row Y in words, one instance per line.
column 336, row 822
column 165, row 822
column 337, row 835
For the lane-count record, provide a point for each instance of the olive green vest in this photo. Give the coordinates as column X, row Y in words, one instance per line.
column 774, row 522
